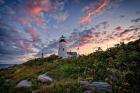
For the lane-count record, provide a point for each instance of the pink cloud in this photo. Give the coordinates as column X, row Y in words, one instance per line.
column 92, row 10
column 24, row 45
column 36, row 9
column 33, row 33
column 98, row 38
column 41, row 5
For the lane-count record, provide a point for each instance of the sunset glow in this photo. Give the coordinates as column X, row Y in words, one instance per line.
column 28, row 27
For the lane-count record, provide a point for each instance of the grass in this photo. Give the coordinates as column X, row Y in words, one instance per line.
column 119, row 66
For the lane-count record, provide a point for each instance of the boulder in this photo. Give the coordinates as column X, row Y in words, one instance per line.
column 24, row 84
column 95, row 86
column 87, row 87
column 44, row 78
column 84, row 82
column 101, row 85
column 87, row 91
column 35, row 91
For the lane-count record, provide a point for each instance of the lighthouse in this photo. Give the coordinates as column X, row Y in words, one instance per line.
column 62, row 51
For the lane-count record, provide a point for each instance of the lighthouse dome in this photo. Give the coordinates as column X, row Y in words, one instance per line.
column 62, row 39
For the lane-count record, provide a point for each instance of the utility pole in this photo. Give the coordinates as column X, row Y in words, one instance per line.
column 42, row 55
column 78, row 52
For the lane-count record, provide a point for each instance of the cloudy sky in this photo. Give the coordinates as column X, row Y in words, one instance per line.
column 28, row 27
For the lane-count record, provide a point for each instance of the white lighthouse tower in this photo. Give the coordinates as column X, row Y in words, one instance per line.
column 62, row 52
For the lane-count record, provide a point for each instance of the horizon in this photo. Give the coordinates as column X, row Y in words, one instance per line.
column 7, row 64
column 28, row 27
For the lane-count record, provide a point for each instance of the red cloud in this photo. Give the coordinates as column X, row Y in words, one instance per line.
column 36, row 9
column 93, row 9
column 42, row 5
column 88, row 36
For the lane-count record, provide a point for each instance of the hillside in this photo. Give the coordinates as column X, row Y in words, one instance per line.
column 119, row 66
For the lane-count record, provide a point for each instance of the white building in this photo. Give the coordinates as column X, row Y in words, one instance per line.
column 62, row 51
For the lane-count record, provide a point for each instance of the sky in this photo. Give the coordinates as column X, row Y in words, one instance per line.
column 28, row 27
